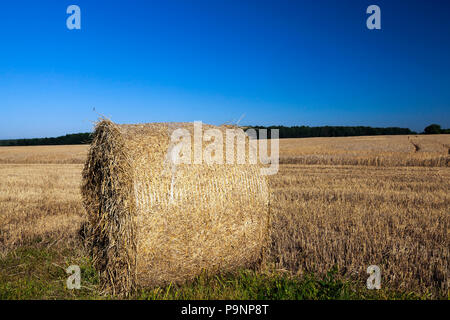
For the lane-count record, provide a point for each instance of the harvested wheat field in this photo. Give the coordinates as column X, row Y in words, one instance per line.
column 336, row 203
column 387, row 151
column 74, row 154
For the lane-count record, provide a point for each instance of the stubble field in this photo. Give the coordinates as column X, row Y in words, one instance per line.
column 338, row 205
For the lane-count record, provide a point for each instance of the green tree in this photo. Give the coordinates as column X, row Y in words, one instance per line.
column 432, row 129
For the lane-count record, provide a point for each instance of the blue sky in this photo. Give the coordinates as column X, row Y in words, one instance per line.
column 278, row 62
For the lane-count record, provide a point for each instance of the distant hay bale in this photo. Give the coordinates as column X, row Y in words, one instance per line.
column 152, row 222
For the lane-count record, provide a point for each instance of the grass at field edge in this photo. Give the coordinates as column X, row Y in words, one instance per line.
column 38, row 272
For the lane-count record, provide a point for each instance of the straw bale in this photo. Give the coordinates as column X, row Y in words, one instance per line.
column 153, row 221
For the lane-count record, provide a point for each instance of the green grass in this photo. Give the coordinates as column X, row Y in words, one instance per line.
column 250, row 285
column 37, row 272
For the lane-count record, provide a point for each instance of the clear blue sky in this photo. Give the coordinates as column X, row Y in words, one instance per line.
column 278, row 62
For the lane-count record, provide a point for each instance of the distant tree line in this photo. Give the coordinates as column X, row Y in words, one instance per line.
column 285, row 132
column 435, row 129
column 76, row 138
column 332, row 131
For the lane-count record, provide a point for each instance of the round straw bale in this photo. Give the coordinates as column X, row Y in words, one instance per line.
column 153, row 221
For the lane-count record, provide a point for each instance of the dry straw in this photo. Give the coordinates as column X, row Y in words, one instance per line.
column 152, row 224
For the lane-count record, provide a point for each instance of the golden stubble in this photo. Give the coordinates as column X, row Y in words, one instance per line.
column 367, row 200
